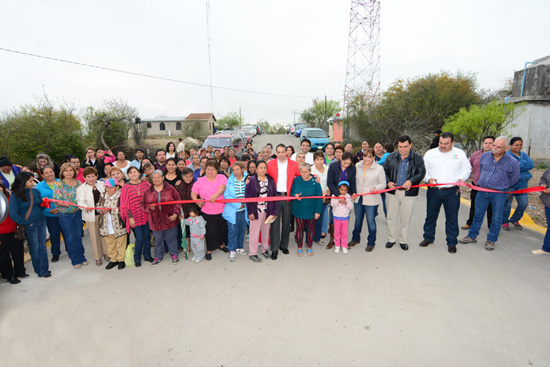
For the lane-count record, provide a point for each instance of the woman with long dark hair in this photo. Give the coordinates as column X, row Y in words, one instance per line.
column 46, row 189
column 171, row 150
column 25, row 210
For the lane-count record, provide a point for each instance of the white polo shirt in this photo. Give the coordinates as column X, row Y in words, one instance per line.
column 447, row 167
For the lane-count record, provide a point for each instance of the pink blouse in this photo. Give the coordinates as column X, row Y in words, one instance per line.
column 206, row 188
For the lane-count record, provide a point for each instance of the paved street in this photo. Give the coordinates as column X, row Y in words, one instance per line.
column 422, row 307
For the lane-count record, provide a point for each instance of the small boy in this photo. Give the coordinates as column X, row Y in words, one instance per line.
column 111, row 227
column 341, row 207
column 197, row 229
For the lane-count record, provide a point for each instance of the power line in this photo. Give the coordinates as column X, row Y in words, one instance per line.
column 151, row 76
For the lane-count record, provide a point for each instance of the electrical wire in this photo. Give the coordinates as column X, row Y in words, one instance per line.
column 150, row 76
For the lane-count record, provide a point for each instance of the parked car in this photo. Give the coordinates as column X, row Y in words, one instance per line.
column 298, row 130
column 248, row 134
column 317, row 137
column 256, row 128
column 219, row 141
column 252, row 129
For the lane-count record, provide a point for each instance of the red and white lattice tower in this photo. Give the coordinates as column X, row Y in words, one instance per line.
column 363, row 66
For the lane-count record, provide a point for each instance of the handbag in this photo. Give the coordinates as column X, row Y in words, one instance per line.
column 20, row 229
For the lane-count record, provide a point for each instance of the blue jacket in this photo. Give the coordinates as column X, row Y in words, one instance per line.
column 46, row 192
column 18, row 209
column 15, row 171
column 525, row 165
column 230, row 209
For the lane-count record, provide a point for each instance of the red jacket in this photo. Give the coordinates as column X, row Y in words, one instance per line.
column 8, row 225
column 292, row 171
column 158, row 218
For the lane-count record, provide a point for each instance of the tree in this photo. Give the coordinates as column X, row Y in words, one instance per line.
column 315, row 115
column 109, row 126
column 414, row 107
column 469, row 126
column 230, row 121
column 44, row 127
column 265, row 126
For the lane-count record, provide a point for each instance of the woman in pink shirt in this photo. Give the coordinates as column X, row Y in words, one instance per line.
column 211, row 187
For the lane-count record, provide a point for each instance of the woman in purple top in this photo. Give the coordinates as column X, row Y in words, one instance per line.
column 260, row 185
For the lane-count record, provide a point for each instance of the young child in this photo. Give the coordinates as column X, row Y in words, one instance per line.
column 197, row 229
column 340, row 212
column 111, row 227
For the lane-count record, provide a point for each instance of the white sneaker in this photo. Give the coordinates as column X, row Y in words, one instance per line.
column 232, row 255
column 193, row 259
column 345, row 250
column 242, row 251
column 197, row 261
column 336, row 249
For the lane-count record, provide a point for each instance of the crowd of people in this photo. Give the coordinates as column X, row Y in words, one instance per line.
column 115, row 197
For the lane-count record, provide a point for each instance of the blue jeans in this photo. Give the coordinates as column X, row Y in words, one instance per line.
column 325, row 221
column 143, row 243
column 236, row 231
column 168, row 235
column 497, row 201
column 370, row 212
column 36, row 238
column 55, row 234
column 546, row 243
column 319, row 224
column 71, row 224
column 450, row 199
column 523, row 201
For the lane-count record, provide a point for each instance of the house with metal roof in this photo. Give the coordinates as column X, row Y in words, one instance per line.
column 198, row 123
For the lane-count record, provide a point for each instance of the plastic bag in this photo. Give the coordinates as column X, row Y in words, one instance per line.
column 129, row 257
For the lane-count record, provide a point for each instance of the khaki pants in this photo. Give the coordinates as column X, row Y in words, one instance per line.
column 99, row 247
column 400, row 210
column 117, row 247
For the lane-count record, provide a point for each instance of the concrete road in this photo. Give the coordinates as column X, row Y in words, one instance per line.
column 422, row 307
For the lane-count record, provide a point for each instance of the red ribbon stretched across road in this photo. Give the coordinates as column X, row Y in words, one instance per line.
column 46, row 202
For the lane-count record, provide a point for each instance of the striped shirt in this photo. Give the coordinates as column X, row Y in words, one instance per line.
column 498, row 175
column 239, row 191
column 130, row 201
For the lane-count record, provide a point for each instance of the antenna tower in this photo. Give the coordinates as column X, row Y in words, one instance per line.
column 363, row 65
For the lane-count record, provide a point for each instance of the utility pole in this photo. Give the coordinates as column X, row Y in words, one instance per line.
column 295, row 112
column 325, row 120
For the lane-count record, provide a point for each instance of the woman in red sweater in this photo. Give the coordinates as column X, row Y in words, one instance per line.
column 10, row 249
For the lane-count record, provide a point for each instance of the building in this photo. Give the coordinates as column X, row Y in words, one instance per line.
column 179, row 125
column 532, row 87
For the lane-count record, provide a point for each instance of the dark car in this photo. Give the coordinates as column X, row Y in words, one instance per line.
column 219, row 141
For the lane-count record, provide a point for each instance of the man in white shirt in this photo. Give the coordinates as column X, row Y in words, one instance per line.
column 444, row 164
column 181, row 146
column 305, row 145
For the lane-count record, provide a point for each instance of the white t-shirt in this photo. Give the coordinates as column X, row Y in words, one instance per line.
column 181, row 147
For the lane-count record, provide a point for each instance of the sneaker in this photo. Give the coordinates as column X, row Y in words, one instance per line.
column 232, row 255
column 540, row 252
column 468, row 240
column 194, row 258
column 175, row 259
column 345, row 250
column 489, row 245
column 197, row 261
column 517, row 225
column 255, row 258
column 506, row 227
column 242, row 251
column 337, row 249
column 156, row 261
column 266, row 254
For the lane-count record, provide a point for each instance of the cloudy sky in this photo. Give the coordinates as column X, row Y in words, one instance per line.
column 296, row 48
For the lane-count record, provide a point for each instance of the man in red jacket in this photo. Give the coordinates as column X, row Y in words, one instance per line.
column 283, row 171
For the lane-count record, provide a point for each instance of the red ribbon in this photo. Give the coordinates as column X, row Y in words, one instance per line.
column 46, row 202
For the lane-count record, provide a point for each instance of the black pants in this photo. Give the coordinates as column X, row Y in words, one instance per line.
column 280, row 228
column 470, row 220
column 216, row 231
column 11, row 249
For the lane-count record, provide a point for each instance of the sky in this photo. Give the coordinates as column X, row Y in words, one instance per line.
column 296, row 48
